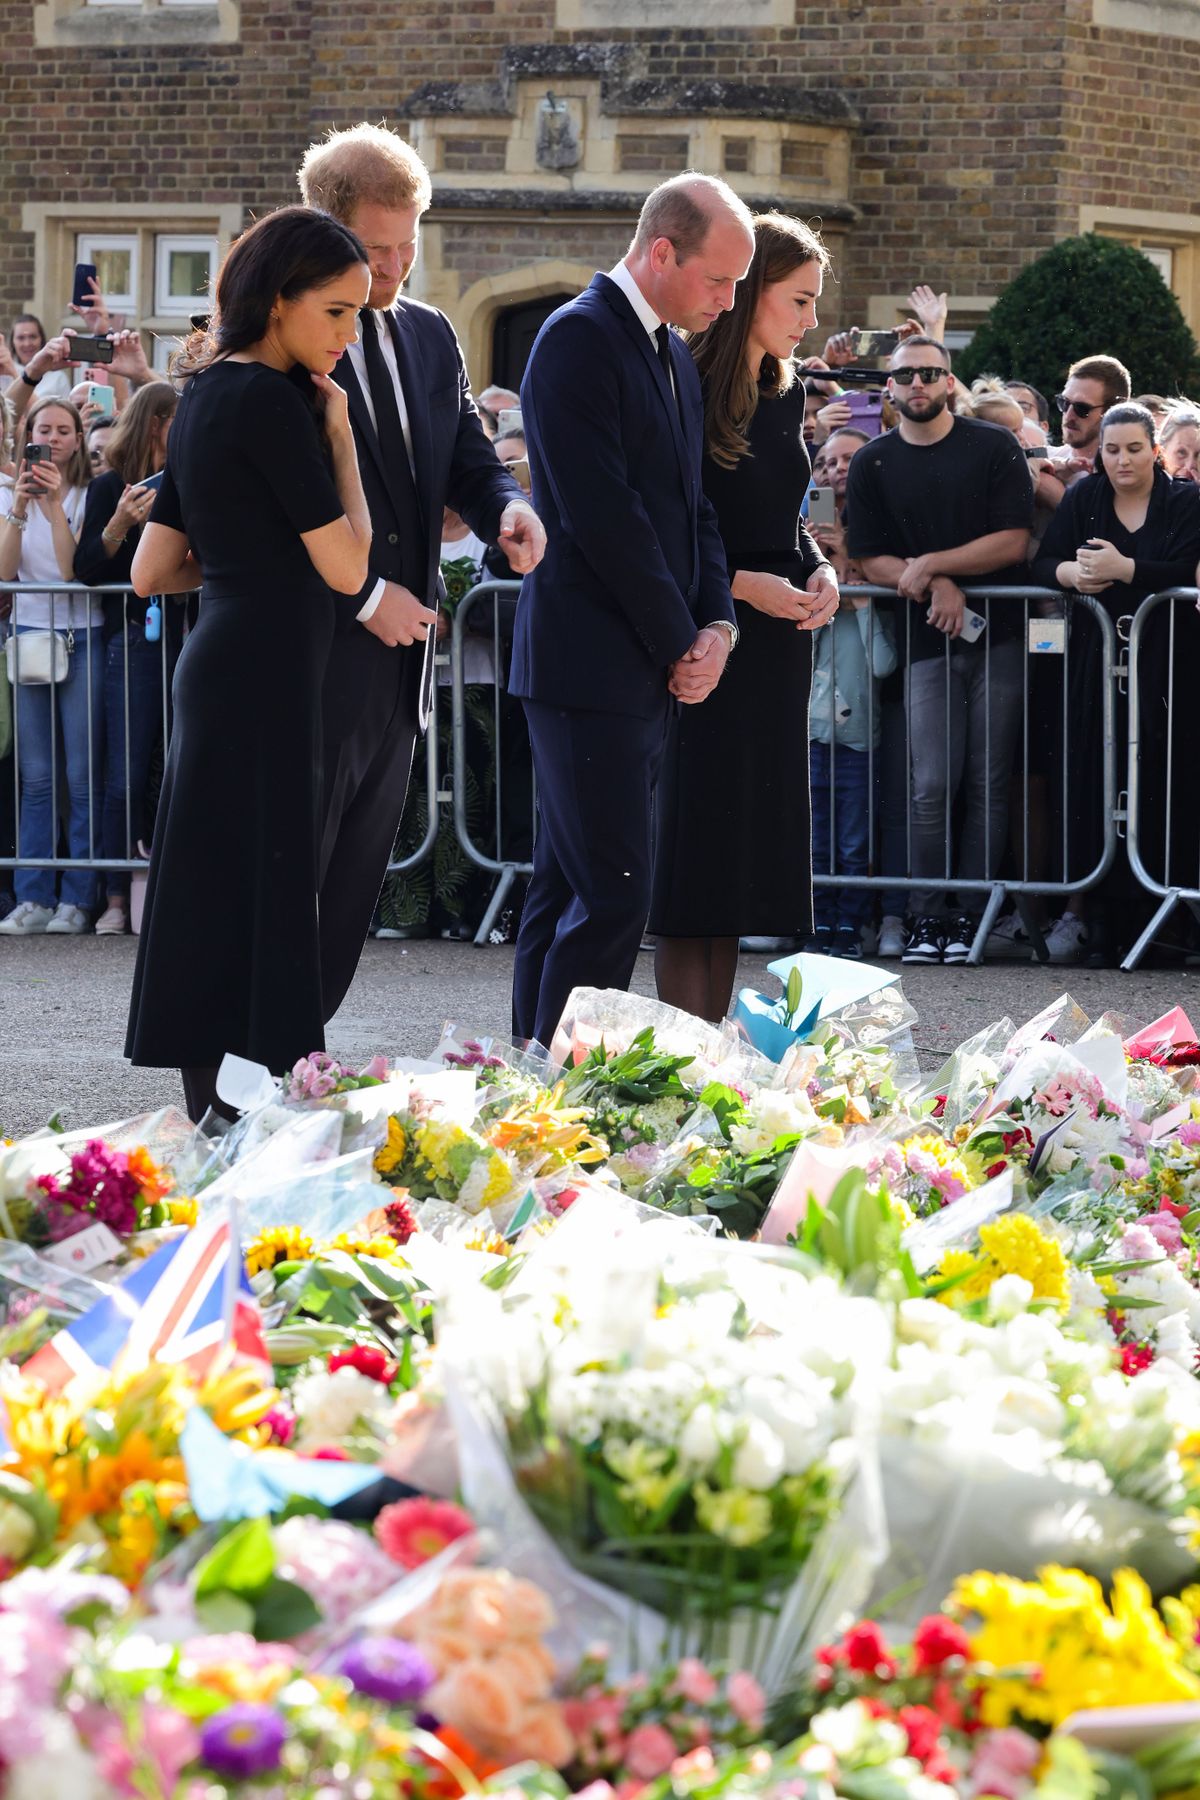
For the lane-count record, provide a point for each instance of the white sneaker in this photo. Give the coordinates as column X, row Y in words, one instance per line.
column 27, row 919
column 113, row 922
column 891, row 936
column 1066, row 939
column 68, row 921
column 1008, row 938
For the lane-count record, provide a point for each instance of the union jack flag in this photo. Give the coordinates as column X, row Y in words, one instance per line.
column 184, row 1304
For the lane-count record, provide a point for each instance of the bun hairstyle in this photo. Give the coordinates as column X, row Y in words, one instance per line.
column 282, row 255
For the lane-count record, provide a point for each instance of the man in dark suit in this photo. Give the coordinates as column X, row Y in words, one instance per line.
column 421, row 447
column 630, row 605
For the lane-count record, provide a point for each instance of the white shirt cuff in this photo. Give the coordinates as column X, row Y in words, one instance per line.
column 370, row 605
column 519, row 506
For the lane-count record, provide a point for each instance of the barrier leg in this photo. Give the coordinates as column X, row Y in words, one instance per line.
column 507, row 876
column 1033, row 930
column 991, row 912
column 1139, row 949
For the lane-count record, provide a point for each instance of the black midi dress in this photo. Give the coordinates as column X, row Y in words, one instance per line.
column 228, row 958
column 733, row 833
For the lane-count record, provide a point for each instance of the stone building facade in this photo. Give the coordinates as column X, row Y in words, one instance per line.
column 937, row 140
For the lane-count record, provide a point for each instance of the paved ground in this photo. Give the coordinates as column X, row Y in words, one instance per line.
column 63, row 1002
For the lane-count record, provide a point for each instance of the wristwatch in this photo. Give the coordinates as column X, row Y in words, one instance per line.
column 26, row 380
column 729, row 626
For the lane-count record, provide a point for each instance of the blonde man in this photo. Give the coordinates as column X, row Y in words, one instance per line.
column 421, row 448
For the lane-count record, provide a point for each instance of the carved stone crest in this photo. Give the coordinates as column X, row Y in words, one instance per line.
column 557, row 145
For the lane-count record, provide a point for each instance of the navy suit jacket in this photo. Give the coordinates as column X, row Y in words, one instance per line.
column 455, row 466
column 634, row 563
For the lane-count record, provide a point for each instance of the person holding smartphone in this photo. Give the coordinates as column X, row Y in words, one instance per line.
column 261, row 504
column 58, row 722
column 735, row 772
column 137, row 670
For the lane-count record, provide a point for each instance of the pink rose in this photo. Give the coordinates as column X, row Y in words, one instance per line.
column 1003, row 1763
column 475, row 1701
column 649, row 1752
column 694, row 1682
column 1164, row 1227
column 746, row 1698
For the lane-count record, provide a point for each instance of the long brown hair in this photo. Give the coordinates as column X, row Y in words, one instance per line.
column 731, row 390
column 130, row 449
column 78, row 471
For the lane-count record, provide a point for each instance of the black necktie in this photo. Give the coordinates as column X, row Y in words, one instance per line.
column 390, row 433
column 663, row 339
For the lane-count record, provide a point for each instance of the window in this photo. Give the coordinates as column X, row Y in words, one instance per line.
column 109, row 24
column 117, row 263
column 1162, row 257
column 183, row 271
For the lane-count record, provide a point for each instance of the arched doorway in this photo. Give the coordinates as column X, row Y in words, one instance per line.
column 513, row 333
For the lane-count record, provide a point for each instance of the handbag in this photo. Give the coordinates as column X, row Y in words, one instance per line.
column 45, row 656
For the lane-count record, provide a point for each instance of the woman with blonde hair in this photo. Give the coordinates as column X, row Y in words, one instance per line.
column 136, row 683
column 734, row 785
column 57, row 657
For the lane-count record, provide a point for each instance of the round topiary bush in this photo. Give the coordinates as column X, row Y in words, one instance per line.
column 1088, row 296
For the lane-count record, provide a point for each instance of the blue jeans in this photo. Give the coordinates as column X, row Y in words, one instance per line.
column 43, row 712
column 846, row 775
column 125, row 777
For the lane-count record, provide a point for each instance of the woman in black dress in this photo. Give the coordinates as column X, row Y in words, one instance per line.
column 261, row 506
column 733, row 849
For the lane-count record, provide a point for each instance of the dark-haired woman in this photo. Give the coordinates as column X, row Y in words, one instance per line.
column 733, row 851
column 260, row 505
column 1121, row 534
column 118, row 505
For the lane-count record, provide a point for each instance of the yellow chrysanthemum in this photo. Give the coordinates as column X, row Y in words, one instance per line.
column 435, row 1141
column 490, row 1241
column 1011, row 1245
column 183, row 1211
column 390, row 1155
column 933, row 1146
column 1080, row 1655
column 276, row 1244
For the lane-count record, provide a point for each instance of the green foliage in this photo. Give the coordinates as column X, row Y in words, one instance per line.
column 237, row 1588
column 1087, row 296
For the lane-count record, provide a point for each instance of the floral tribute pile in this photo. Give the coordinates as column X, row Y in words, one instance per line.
column 641, row 1417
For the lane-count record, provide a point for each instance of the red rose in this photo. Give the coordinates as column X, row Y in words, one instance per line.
column 924, row 1730
column 997, row 1168
column 368, row 1359
column 936, row 1640
column 1180, row 1208
column 867, row 1650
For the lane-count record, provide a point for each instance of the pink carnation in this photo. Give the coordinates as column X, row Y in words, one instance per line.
column 413, row 1531
column 1004, row 1762
column 747, row 1699
column 1164, row 1227
column 649, row 1752
column 1189, row 1132
column 694, row 1682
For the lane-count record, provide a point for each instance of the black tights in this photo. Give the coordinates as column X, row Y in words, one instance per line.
column 696, row 974
column 200, row 1094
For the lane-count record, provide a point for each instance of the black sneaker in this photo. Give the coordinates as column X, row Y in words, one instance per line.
column 959, row 936
column 820, row 943
column 925, row 941
column 847, row 943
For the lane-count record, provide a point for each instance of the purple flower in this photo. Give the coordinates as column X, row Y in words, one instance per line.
column 243, row 1739
column 389, row 1669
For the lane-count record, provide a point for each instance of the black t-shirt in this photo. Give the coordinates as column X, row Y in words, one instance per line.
column 909, row 499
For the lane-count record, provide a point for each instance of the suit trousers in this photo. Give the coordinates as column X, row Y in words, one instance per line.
column 589, row 894
column 366, row 775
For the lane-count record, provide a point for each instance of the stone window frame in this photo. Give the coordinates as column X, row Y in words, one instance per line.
column 144, row 24
column 57, row 225
column 1157, row 18
column 1143, row 228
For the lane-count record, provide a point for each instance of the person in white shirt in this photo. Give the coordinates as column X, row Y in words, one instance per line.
column 58, row 723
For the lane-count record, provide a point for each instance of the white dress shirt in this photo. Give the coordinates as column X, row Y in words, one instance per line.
column 358, row 362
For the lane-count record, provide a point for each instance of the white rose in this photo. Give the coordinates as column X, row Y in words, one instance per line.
column 758, row 1462
column 700, row 1440
column 329, row 1406
column 1174, row 1340
column 1009, row 1296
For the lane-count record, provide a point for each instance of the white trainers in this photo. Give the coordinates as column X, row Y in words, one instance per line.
column 26, row 920
column 1008, row 937
column 891, row 936
column 113, row 922
column 68, row 921
column 1066, row 939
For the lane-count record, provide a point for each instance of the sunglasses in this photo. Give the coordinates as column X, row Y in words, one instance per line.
column 1080, row 408
column 904, row 377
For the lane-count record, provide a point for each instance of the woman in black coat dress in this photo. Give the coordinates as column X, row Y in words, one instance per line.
column 1124, row 533
column 733, row 845
column 261, row 506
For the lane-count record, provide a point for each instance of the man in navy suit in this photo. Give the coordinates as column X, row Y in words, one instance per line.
column 630, row 608
column 420, row 447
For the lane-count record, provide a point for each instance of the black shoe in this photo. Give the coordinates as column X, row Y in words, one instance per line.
column 821, row 942
column 925, row 941
column 959, row 936
column 847, row 943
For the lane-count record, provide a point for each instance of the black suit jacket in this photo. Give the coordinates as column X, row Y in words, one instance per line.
column 455, row 465
column 634, row 563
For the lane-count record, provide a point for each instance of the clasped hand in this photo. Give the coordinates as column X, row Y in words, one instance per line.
column 699, row 669
column 1100, row 563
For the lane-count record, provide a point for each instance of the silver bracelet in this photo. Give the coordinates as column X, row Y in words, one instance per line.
column 10, row 518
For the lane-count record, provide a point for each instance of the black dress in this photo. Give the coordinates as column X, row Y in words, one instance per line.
column 228, row 958
column 733, row 844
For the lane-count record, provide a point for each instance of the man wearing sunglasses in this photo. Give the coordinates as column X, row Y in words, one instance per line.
column 940, row 502
column 1093, row 385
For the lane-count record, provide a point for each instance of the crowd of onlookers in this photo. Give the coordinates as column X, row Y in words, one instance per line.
column 955, row 740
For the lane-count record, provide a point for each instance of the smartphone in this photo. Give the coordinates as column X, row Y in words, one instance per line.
column 101, row 395
column 81, row 292
column 36, row 453
column 88, row 349
column 822, row 506
column 508, row 420
column 973, row 626
column 866, row 412
column 874, row 343
column 519, row 471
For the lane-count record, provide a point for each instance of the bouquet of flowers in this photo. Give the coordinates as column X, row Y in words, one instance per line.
column 49, row 1192
column 636, row 1730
